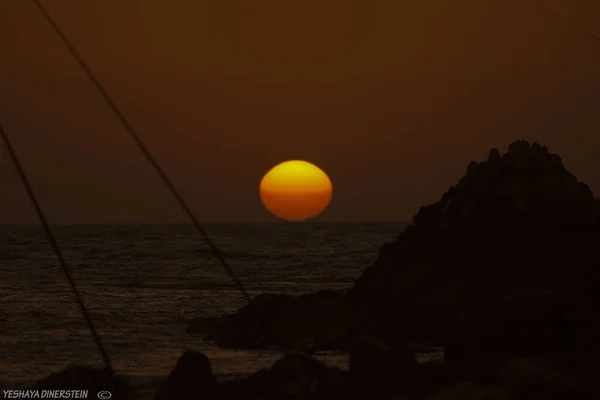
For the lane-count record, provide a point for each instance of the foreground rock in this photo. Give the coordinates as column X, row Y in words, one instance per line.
column 527, row 323
column 378, row 370
column 93, row 380
column 541, row 378
column 315, row 320
column 192, row 378
column 300, row 377
column 473, row 391
column 381, row 366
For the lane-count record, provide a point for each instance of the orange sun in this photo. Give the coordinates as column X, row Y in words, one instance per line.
column 295, row 190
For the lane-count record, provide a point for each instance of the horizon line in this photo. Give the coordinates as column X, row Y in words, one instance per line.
column 375, row 221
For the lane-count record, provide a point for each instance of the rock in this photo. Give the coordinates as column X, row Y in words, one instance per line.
column 472, row 168
column 518, row 220
column 289, row 322
column 433, row 376
column 192, row 378
column 384, row 367
column 504, row 265
column 532, row 379
column 472, row 391
column 94, row 380
column 519, row 324
column 299, row 377
column 494, row 156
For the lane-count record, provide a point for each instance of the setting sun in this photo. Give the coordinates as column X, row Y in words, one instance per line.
column 295, row 190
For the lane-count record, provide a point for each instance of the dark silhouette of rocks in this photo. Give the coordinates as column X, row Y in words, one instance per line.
column 433, row 376
column 503, row 272
column 377, row 371
column 299, row 377
column 472, row 391
column 381, row 368
column 289, row 322
column 379, row 363
column 530, row 378
column 94, row 380
column 516, row 222
column 192, row 378
column 517, row 231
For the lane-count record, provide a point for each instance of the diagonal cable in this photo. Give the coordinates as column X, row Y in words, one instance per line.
column 128, row 127
column 553, row 13
column 56, row 247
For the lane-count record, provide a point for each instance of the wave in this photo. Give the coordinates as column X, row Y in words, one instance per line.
column 281, row 255
column 274, row 286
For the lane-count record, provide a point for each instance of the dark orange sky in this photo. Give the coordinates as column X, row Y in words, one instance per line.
column 391, row 98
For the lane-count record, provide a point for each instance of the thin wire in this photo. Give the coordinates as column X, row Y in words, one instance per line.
column 56, row 248
column 553, row 13
column 142, row 146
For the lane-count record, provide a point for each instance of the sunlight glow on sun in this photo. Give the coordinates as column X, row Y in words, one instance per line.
column 295, row 190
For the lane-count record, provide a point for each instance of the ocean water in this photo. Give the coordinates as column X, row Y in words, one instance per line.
column 143, row 284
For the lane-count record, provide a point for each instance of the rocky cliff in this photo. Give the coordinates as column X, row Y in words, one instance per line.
column 506, row 258
column 517, row 225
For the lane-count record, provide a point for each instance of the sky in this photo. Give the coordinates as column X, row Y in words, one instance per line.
column 392, row 99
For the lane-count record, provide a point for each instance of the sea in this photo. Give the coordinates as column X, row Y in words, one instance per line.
column 143, row 284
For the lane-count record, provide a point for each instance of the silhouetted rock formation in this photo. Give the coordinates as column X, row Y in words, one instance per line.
column 292, row 377
column 525, row 191
column 300, row 322
column 511, row 248
column 519, row 221
column 299, row 377
column 377, row 367
column 528, row 378
column 503, row 272
column 192, row 378
column 94, row 380
column 472, row 391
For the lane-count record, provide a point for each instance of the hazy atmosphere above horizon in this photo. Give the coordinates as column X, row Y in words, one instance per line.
column 392, row 99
